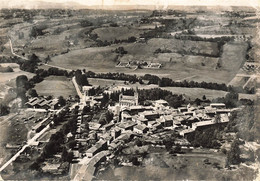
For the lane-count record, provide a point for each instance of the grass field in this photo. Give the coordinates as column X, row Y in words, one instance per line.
column 119, row 33
column 7, row 81
column 190, row 93
column 56, row 86
column 97, row 57
column 175, row 66
column 8, row 76
column 190, row 166
column 234, row 55
column 194, row 93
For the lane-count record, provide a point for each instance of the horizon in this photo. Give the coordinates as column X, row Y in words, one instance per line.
column 127, row 4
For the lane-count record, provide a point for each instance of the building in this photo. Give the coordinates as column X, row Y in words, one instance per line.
column 129, row 125
column 125, row 100
column 218, row 105
column 166, row 121
column 160, row 103
column 98, row 147
column 141, row 129
column 116, row 132
column 149, row 115
column 140, row 120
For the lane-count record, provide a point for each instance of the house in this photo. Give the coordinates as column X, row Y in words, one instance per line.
column 186, row 131
column 125, row 116
column 154, row 65
column 150, row 115
column 177, row 123
column 223, row 111
column 210, row 112
column 166, row 121
column 114, row 145
column 51, row 168
column 159, row 103
column 136, row 109
column 141, row 129
column 124, row 126
column 115, row 132
column 151, row 123
column 123, row 64
column 182, row 109
column 107, row 137
column 218, row 105
column 125, row 137
column 94, row 126
column 107, row 127
column 189, row 113
column 99, row 146
column 140, row 120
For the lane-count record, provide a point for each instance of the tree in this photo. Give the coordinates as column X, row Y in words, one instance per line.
column 233, row 155
column 217, row 118
column 135, row 161
column 72, row 144
column 32, row 93
column 86, row 110
column 21, row 81
column 34, row 166
column 204, row 98
column 120, row 50
column 70, row 157
column 4, row 110
column 61, row 101
column 47, row 59
column 177, row 149
column 64, row 154
column 36, row 31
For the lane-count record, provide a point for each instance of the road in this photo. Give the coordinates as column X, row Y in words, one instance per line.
column 54, row 66
column 12, row 51
column 29, row 143
column 77, row 88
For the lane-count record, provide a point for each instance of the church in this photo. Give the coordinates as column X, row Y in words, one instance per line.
column 125, row 100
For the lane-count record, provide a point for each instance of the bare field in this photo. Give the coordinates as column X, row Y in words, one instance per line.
column 56, row 86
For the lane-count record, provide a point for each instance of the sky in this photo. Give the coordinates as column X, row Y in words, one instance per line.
column 255, row 3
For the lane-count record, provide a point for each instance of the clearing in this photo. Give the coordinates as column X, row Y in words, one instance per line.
column 56, row 86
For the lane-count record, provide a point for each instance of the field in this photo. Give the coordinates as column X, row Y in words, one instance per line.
column 69, row 43
column 17, row 129
column 99, row 58
column 7, row 81
column 119, row 33
column 8, row 76
column 194, row 93
column 56, row 86
column 189, row 93
column 190, row 166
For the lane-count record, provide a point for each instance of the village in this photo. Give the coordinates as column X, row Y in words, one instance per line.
column 96, row 142
column 129, row 95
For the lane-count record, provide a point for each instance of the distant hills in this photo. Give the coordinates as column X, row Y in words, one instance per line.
column 25, row 4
